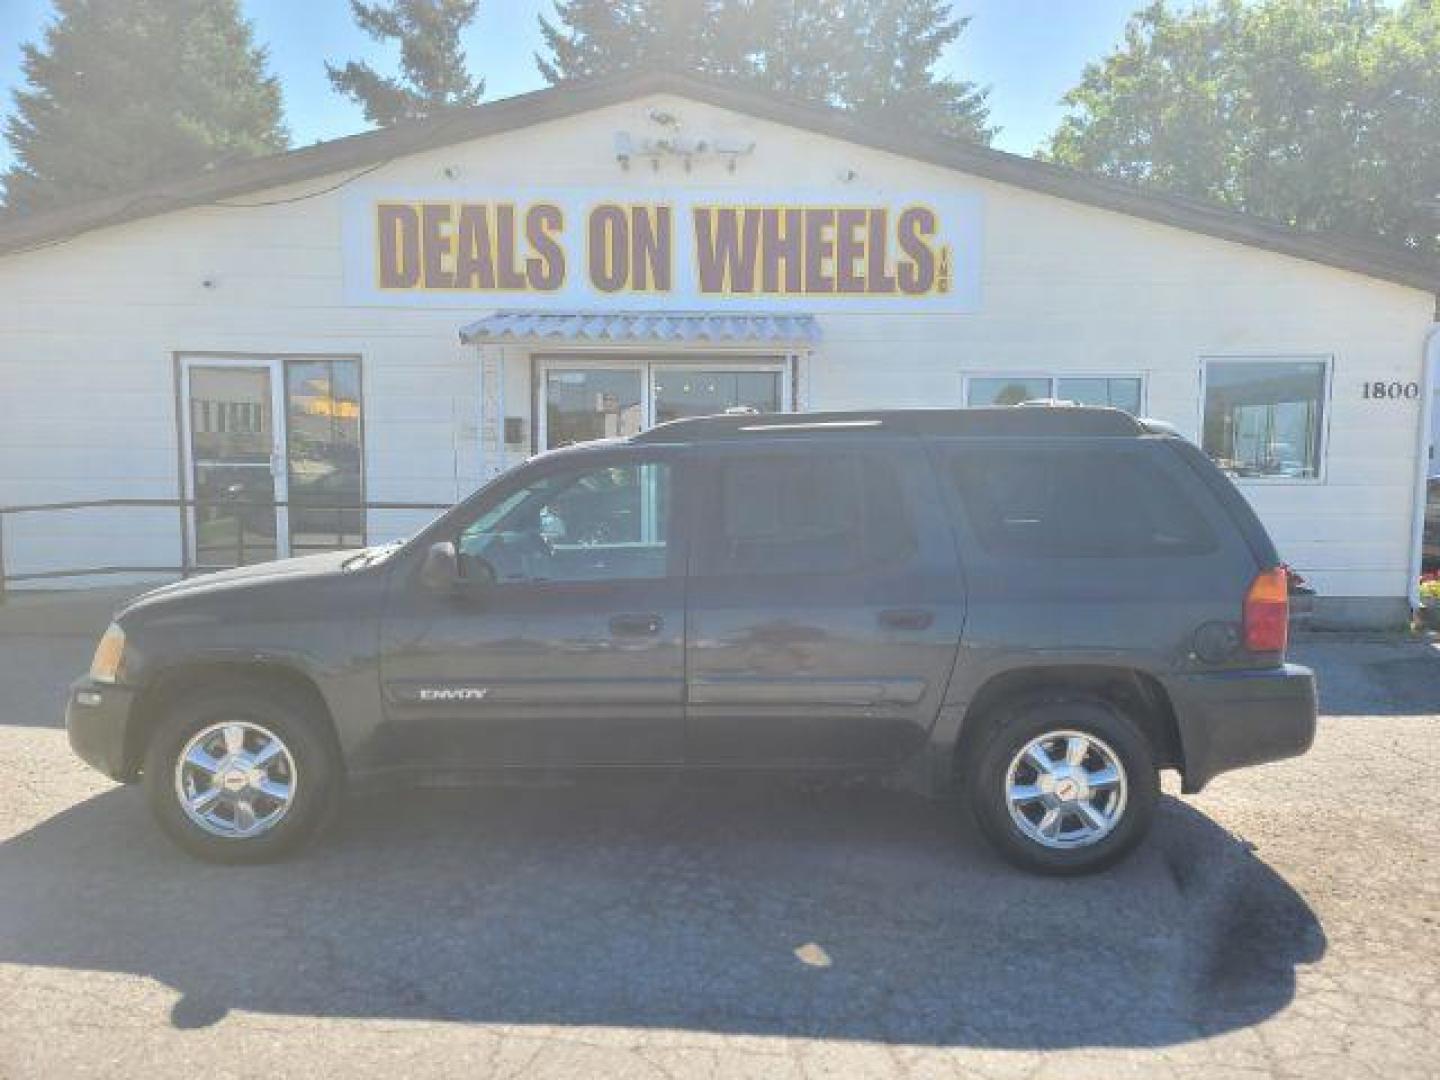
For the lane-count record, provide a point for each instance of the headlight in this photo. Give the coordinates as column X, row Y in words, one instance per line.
column 105, row 667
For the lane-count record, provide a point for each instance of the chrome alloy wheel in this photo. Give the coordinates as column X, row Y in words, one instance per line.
column 235, row 779
column 1066, row 789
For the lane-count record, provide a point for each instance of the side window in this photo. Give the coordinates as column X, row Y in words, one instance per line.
column 788, row 514
column 1113, row 391
column 1094, row 503
column 1265, row 418
column 591, row 524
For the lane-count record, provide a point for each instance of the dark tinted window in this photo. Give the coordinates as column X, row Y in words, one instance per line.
column 1077, row 503
column 809, row 514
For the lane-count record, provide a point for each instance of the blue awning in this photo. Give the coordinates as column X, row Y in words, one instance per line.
column 654, row 327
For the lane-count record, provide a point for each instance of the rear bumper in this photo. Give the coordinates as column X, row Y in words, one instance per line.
column 1231, row 719
column 96, row 718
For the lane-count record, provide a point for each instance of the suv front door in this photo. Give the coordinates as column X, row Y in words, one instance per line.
column 563, row 644
column 825, row 604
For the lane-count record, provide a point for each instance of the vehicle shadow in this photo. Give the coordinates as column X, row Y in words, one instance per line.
column 841, row 913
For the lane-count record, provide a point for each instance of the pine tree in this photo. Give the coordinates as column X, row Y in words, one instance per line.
column 875, row 58
column 800, row 58
column 893, row 75
column 433, row 75
column 595, row 39
column 121, row 94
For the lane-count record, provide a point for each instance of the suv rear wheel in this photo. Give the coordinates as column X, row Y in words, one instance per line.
column 241, row 774
column 1063, row 786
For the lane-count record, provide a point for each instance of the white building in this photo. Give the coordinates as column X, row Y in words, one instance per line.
column 397, row 316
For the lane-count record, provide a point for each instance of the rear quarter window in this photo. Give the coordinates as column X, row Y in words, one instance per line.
column 1077, row 502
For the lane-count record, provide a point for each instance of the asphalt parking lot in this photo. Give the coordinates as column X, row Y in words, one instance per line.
column 1286, row 922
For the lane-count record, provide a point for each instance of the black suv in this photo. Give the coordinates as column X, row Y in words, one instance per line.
column 1040, row 606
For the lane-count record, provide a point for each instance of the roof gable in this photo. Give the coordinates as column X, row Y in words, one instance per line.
column 371, row 150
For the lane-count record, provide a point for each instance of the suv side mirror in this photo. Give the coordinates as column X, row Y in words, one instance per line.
column 440, row 572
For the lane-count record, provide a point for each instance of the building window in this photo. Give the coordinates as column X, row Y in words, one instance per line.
column 682, row 392
column 1265, row 418
column 595, row 403
column 1113, row 391
column 596, row 397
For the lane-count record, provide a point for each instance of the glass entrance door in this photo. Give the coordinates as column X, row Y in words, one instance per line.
column 682, row 391
column 234, row 452
column 584, row 403
column 584, row 398
column 274, row 457
column 324, row 465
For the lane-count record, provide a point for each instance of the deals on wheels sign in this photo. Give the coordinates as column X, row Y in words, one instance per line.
column 582, row 248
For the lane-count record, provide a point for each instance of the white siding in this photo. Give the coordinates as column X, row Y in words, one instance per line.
column 89, row 329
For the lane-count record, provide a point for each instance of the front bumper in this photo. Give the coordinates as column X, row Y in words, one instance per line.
column 97, row 716
column 1231, row 719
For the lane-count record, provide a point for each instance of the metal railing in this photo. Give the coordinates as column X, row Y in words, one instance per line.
column 188, row 567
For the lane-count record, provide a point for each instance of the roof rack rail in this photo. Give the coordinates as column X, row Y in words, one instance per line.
column 1153, row 426
column 1000, row 421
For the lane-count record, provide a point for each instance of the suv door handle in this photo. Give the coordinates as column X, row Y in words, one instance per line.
column 647, row 623
column 907, row 618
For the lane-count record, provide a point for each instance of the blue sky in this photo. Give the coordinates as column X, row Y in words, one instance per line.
column 1029, row 51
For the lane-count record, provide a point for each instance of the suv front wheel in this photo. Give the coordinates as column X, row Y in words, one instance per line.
column 1063, row 786
column 241, row 773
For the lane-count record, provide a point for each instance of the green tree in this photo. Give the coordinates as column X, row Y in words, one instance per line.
column 601, row 37
column 119, row 94
column 875, row 58
column 895, row 48
column 433, row 75
column 1321, row 114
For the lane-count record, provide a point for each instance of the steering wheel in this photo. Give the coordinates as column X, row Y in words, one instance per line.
column 480, row 571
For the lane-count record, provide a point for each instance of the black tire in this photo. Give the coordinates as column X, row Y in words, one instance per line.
column 1013, row 728
column 306, row 736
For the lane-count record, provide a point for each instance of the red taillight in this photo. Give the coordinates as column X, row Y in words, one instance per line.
column 1267, row 612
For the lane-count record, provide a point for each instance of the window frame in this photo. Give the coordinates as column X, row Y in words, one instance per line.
column 1327, row 391
column 1054, row 377
column 278, row 366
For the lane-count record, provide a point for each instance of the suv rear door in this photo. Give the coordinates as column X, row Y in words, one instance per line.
column 824, row 603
